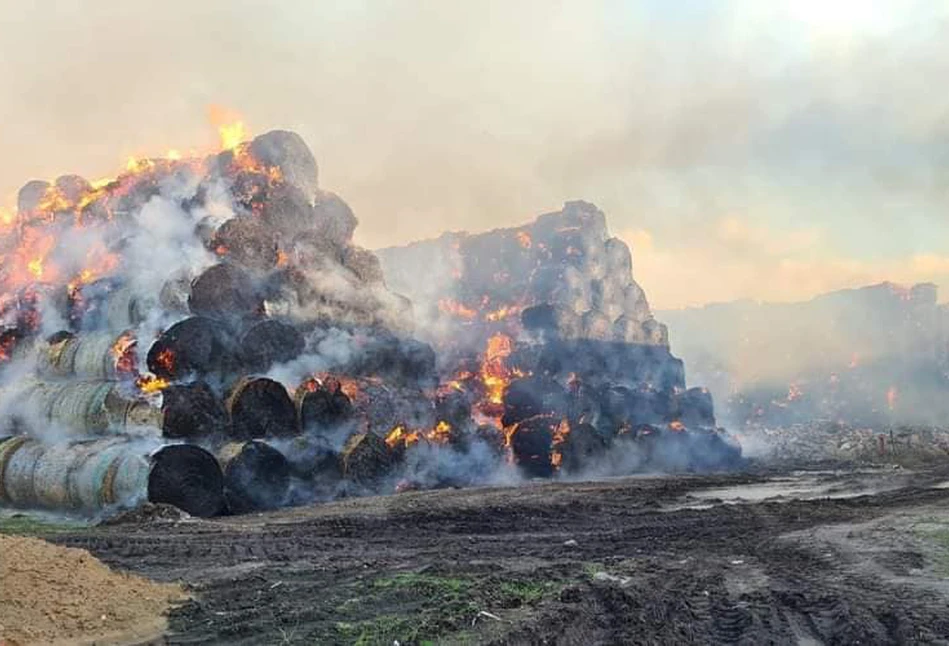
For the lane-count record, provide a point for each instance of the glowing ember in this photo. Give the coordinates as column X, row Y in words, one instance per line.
column 124, row 356
column 456, row 309
column 166, row 361
column 560, row 436
column 676, row 426
column 524, row 239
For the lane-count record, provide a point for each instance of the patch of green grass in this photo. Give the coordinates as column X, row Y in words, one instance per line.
column 423, row 583
column 529, row 591
column 429, row 608
column 26, row 525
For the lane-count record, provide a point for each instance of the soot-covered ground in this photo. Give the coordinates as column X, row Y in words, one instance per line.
column 795, row 557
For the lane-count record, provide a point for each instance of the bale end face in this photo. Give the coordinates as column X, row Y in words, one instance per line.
column 256, row 478
column 189, row 478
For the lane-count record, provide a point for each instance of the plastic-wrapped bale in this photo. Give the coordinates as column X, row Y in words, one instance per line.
column 365, row 458
column 256, row 476
column 268, row 342
column 92, row 475
column 94, row 355
column 259, row 408
column 83, row 406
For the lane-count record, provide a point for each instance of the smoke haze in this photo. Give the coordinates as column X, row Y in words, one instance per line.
column 745, row 149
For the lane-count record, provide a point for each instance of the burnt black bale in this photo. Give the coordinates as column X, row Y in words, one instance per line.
column 322, row 407
column 531, row 444
column 453, row 407
column 599, row 362
column 403, row 360
column 532, row 396
column 268, row 342
column 261, row 408
column 226, row 292
column 189, row 478
column 694, row 408
column 582, row 448
column 192, row 411
column 256, row 476
column 193, row 346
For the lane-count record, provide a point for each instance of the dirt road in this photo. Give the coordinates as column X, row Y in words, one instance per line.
column 837, row 558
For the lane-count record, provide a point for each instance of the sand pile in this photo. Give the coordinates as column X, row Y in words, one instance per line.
column 58, row 595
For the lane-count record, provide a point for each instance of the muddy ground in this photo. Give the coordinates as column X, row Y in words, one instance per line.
column 836, row 557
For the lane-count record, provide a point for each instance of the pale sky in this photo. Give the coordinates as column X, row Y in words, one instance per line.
column 746, row 149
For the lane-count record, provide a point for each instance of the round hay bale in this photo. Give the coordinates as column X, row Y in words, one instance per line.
column 256, row 476
column 189, row 478
column 260, row 408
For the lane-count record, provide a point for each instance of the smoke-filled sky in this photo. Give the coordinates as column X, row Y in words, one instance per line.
column 767, row 150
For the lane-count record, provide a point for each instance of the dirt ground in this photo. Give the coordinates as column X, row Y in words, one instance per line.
column 793, row 557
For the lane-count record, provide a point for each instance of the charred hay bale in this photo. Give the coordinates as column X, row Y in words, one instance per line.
column 31, row 303
column 175, row 294
column 635, row 305
column 322, row 406
column 401, row 359
column 364, row 264
column 532, row 396
column 225, row 291
column 572, row 290
column 619, row 260
column 72, row 187
column 29, row 197
column 492, row 436
column 247, row 241
column 189, row 478
column 311, row 250
column 313, row 458
column 192, row 346
column 532, row 443
column 656, row 333
column 453, row 407
column 261, row 408
column 256, row 476
column 288, row 152
column 596, row 326
column 552, row 321
column 192, row 411
column 582, row 448
column 628, row 330
column 365, row 458
column 333, row 219
column 694, row 407
column 269, row 342
column 287, row 210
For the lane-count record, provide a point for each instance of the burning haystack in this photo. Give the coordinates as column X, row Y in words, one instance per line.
column 543, row 332
column 204, row 332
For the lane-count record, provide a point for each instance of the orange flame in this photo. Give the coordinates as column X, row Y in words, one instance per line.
column 524, row 239
column 166, row 360
column 230, row 126
column 456, row 309
column 123, row 353
column 151, row 384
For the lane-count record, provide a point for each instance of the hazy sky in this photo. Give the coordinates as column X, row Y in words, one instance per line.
column 752, row 148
